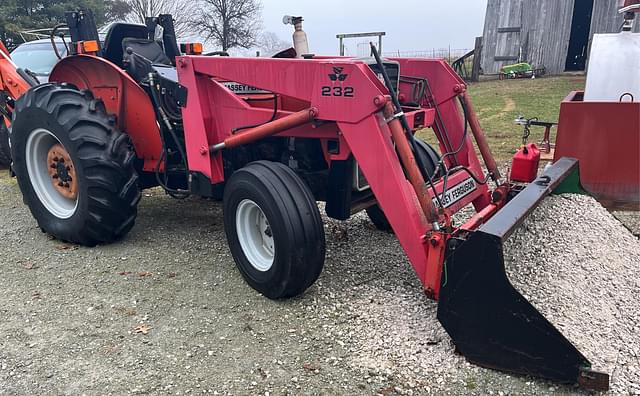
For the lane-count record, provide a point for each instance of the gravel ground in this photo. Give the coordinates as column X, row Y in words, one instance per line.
column 165, row 311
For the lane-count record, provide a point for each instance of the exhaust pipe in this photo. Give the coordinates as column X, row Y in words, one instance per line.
column 300, row 41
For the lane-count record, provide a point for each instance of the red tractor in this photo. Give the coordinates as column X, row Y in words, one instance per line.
column 271, row 137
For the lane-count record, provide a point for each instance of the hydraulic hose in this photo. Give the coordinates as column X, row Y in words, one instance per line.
column 53, row 39
column 418, row 181
column 272, row 118
column 181, row 194
column 399, row 113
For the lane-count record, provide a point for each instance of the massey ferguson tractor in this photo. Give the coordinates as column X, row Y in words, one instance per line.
column 271, row 137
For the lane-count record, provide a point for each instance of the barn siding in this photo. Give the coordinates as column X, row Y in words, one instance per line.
column 606, row 19
column 549, row 30
column 545, row 31
column 501, row 14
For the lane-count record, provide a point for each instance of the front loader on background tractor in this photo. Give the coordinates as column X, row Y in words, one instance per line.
column 271, row 136
column 13, row 83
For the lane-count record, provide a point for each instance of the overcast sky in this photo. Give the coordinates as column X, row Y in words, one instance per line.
column 411, row 25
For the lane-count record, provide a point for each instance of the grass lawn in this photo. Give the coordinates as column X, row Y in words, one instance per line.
column 499, row 103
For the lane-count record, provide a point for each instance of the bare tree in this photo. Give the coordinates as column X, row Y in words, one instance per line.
column 141, row 9
column 270, row 43
column 229, row 23
column 117, row 10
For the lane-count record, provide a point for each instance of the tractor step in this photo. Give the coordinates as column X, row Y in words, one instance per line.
column 490, row 322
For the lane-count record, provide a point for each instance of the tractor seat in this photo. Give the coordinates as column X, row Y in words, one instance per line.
column 140, row 54
column 112, row 49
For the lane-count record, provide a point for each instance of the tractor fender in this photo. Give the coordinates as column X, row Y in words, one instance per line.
column 122, row 97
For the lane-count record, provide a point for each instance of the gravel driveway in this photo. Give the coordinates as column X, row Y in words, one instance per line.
column 165, row 311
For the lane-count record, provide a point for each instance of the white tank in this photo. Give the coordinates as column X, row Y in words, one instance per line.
column 614, row 68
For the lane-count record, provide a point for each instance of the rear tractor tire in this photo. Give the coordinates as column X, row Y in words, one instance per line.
column 74, row 168
column 430, row 158
column 274, row 229
column 5, row 151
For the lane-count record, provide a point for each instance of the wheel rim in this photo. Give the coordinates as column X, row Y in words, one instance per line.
column 52, row 173
column 255, row 235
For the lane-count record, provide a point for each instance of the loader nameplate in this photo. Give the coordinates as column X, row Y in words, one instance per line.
column 243, row 89
column 457, row 192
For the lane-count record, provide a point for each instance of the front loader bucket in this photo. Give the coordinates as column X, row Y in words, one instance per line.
column 490, row 322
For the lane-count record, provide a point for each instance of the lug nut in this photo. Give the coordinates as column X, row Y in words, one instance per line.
column 60, row 184
column 55, row 176
column 56, row 159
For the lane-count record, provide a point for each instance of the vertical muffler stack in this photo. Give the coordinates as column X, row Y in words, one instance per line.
column 490, row 322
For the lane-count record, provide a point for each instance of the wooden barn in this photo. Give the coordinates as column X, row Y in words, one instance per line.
column 554, row 34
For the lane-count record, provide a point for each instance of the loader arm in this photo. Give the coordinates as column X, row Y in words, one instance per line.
column 13, row 83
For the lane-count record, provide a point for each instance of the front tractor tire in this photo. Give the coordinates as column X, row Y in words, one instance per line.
column 430, row 159
column 274, row 229
column 74, row 168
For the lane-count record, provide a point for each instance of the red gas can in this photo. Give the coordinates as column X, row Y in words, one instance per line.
column 524, row 166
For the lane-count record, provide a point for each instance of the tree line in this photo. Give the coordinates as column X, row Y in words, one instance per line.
column 226, row 24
